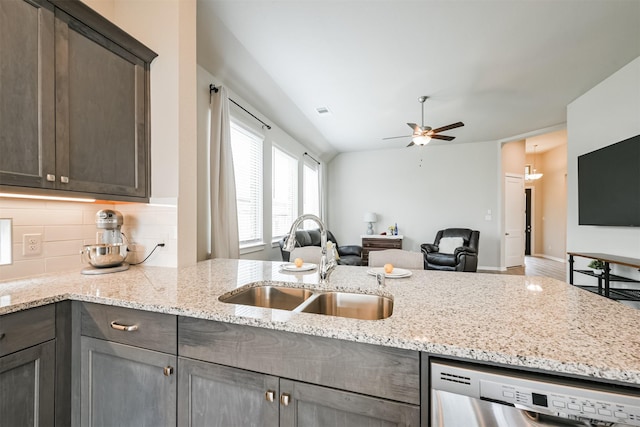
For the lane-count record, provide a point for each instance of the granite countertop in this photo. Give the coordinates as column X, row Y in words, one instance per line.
column 521, row 321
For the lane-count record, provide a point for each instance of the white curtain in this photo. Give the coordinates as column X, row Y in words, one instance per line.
column 224, row 216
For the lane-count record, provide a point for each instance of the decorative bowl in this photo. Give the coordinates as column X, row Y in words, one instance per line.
column 103, row 255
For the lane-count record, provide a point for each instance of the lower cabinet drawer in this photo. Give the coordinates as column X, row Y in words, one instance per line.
column 27, row 328
column 374, row 370
column 145, row 329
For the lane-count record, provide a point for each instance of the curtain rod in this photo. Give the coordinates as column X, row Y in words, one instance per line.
column 213, row 88
column 309, row 156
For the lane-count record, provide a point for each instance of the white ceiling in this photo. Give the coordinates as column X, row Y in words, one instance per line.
column 504, row 68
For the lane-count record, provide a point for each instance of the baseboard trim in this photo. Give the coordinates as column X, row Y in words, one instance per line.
column 552, row 258
column 482, row 268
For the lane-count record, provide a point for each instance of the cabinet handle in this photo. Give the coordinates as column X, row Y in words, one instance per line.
column 168, row 371
column 51, row 177
column 270, row 395
column 118, row 327
column 1, row 335
column 285, row 398
column 64, row 179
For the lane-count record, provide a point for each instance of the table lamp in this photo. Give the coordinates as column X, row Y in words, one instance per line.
column 370, row 217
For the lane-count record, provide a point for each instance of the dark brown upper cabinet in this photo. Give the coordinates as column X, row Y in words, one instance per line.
column 74, row 103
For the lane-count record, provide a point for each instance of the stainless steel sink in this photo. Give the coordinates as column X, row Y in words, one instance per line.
column 330, row 303
column 356, row 306
column 280, row 297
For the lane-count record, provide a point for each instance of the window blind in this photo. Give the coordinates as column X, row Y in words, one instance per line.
column 284, row 192
column 246, row 148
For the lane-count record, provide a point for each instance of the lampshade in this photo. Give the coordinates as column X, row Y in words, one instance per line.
column 535, row 175
column 421, row 139
column 370, row 217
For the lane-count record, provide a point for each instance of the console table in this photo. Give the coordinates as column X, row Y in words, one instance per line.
column 378, row 242
column 606, row 276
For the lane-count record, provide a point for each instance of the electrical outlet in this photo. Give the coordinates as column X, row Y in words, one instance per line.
column 31, row 244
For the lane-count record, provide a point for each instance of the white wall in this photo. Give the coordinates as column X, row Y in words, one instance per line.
column 168, row 27
column 274, row 136
column 553, row 209
column 423, row 190
column 608, row 113
column 67, row 226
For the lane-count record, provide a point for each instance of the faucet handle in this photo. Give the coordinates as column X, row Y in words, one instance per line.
column 380, row 278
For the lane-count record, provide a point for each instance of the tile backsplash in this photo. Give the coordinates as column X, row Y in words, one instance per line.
column 66, row 226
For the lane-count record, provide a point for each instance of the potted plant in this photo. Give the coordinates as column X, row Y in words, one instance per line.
column 597, row 265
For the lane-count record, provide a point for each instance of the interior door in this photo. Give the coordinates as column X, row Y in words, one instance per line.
column 514, row 220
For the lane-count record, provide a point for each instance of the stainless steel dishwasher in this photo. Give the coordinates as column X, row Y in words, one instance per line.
column 464, row 395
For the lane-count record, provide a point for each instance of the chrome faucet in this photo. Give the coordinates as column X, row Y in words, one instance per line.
column 327, row 264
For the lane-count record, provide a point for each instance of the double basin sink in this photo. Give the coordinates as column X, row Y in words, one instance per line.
column 330, row 303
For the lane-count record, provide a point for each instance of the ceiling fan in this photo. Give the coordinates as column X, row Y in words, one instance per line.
column 422, row 135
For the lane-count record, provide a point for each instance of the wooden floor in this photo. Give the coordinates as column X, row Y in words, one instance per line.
column 538, row 266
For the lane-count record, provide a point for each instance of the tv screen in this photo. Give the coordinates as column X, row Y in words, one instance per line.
column 609, row 185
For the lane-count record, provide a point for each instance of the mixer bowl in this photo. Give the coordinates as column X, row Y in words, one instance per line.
column 104, row 254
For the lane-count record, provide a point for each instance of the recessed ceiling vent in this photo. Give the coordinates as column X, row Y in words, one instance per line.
column 323, row 111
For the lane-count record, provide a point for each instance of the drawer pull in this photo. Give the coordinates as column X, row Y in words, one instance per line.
column 285, row 398
column 269, row 395
column 168, row 371
column 126, row 328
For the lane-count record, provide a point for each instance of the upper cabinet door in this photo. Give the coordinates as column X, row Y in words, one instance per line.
column 101, row 126
column 27, row 135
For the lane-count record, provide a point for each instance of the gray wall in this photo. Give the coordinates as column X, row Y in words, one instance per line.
column 606, row 114
column 423, row 189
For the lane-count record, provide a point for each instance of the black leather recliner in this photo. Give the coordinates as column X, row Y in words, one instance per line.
column 349, row 255
column 464, row 258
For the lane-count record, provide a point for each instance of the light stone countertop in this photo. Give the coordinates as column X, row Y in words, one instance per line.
column 533, row 322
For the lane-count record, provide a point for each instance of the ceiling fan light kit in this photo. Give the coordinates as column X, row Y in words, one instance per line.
column 422, row 135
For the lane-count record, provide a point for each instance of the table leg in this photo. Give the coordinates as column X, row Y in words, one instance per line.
column 571, row 269
column 606, row 279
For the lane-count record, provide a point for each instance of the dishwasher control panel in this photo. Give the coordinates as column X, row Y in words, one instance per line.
column 570, row 402
column 541, row 394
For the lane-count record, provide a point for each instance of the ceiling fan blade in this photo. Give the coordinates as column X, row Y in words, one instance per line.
column 451, row 126
column 416, row 129
column 411, row 143
column 396, row 137
column 444, row 137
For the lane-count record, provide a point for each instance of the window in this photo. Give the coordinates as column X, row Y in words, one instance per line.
column 284, row 192
column 311, row 192
column 246, row 147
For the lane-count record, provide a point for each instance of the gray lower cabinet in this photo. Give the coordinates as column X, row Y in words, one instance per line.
column 27, row 382
column 126, row 386
column 221, row 396
column 320, row 381
column 128, row 363
column 214, row 395
column 27, row 367
column 314, row 406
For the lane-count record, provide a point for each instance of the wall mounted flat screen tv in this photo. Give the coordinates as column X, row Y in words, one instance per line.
column 609, row 185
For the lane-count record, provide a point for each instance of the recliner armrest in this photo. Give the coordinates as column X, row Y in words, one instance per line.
column 465, row 250
column 350, row 250
column 428, row 248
